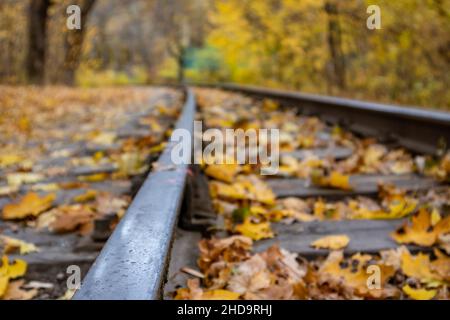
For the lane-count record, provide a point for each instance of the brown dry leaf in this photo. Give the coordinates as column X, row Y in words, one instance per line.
column 255, row 231
column 15, row 291
column 333, row 242
column 69, row 218
column 250, row 276
column 30, row 205
column 107, row 203
column 217, row 251
column 194, row 292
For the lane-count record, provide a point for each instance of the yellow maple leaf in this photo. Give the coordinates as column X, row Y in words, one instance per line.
column 255, row 231
column 420, row 232
column 30, row 205
column 333, row 242
column 419, row 294
column 418, row 267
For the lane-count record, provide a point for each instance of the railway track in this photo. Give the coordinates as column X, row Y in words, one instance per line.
column 348, row 168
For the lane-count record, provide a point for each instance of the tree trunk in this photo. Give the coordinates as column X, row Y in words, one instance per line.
column 37, row 32
column 74, row 44
column 180, row 60
column 335, row 45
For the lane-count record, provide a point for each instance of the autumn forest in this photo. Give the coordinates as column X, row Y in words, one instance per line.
column 317, row 46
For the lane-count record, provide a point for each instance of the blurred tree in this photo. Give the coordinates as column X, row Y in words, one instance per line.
column 37, row 40
column 74, row 43
column 335, row 44
column 183, row 24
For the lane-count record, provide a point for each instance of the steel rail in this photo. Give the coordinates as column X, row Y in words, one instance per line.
column 132, row 264
column 417, row 129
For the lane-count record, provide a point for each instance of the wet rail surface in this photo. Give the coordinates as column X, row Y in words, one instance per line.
column 159, row 235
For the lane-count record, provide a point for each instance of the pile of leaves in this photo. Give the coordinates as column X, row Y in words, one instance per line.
column 229, row 270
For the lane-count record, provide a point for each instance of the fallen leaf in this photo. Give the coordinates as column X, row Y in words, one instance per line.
column 255, row 231
column 441, row 266
column 10, row 271
column 222, row 172
column 18, row 179
column 333, row 242
column 104, row 138
column 68, row 294
column 419, row 232
column 11, row 245
column 98, row 177
column 340, row 181
column 352, row 278
column 89, row 195
column 7, row 160
column 418, row 267
column 31, row 205
column 419, row 294
column 220, row 294
column 70, row 218
column 15, row 291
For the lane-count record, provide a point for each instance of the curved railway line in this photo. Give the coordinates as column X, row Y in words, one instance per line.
column 173, row 210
